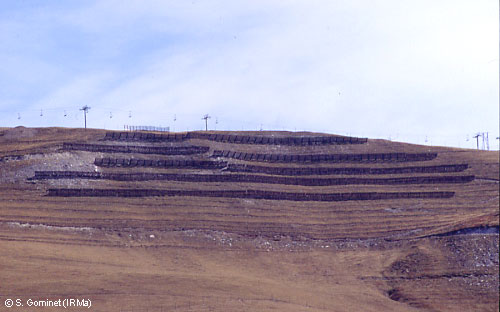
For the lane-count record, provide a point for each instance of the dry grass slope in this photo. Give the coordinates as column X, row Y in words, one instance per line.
column 246, row 221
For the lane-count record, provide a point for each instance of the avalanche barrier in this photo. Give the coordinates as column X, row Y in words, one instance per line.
column 242, row 178
column 176, row 150
column 331, row 158
column 253, row 194
column 231, row 138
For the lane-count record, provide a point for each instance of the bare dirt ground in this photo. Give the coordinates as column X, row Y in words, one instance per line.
column 195, row 253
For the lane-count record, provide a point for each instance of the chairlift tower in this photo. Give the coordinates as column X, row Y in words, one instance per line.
column 477, row 139
column 206, row 117
column 85, row 110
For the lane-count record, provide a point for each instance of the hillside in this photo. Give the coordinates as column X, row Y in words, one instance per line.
column 246, row 221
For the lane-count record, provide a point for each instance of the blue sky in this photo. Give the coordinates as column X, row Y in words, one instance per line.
column 415, row 71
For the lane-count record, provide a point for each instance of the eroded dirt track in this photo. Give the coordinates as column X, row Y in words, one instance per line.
column 247, row 222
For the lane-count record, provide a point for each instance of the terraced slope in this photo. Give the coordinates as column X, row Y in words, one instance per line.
column 314, row 202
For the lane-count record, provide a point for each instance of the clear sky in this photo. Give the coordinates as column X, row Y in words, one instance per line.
column 422, row 71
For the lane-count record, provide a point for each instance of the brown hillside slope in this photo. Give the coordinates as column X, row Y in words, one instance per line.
column 246, row 221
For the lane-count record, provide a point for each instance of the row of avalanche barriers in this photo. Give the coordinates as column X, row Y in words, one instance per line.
column 253, row 194
column 246, row 178
column 367, row 157
column 233, row 138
